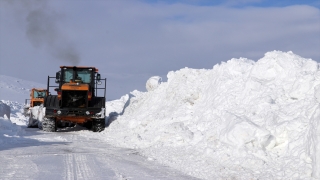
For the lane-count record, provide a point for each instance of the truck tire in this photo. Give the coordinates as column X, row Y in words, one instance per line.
column 51, row 101
column 98, row 102
column 88, row 125
column 49, row 125
column 47, row 101
column 98, row 125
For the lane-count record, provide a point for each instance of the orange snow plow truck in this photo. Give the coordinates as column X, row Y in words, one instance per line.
column 76, row 100
column 37, row 96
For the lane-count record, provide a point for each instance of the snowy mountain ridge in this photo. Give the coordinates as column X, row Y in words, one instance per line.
column 15, row 89
column 241, row 119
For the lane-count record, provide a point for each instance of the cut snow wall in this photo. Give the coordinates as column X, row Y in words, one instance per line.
column 314, row 137
column 313, row 140
column 4, row 110
column 315, row 131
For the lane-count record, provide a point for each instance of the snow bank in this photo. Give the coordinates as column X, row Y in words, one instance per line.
column 7, row 128
column 4, row 110
column 242, row 119
column 15, row 110
column 4, row 116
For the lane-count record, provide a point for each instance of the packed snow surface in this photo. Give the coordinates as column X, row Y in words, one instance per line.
column 239, row 120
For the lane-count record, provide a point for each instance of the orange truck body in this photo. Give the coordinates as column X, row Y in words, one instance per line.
column 77, row 99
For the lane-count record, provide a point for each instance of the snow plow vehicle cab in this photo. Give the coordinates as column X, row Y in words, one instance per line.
column 76, row 100
column 37, row 96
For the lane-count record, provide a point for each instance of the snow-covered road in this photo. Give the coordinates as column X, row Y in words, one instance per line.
column 35, row 154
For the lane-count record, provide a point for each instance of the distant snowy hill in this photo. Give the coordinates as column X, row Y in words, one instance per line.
column 15, row 89
column 242, row 119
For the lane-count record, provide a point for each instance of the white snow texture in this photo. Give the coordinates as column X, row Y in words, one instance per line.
column 241, row 119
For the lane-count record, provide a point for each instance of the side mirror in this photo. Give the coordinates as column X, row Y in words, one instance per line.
column 98, row 79
column 58, row 76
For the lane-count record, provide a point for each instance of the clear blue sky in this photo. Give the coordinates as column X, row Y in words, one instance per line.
column 132, row 40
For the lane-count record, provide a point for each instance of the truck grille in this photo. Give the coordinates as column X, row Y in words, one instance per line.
column 74, row 99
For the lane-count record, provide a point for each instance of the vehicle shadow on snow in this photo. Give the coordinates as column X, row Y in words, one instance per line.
column 113, row 116
column 74, row 128
column 26, row 137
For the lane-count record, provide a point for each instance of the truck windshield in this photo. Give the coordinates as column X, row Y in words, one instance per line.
column 39, row 94
column 83, row 75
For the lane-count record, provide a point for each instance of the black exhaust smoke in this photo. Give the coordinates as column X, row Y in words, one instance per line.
column 43, row 31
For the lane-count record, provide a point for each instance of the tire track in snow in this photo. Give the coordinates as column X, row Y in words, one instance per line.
column 83, row 171
column 69, row 167
column 78, row 167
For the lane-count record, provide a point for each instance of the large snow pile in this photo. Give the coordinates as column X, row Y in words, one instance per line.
column 242, row 119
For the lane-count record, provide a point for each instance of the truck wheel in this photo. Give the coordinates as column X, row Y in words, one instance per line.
column 88, row 125
column 49, row 124
column 98, row 125
column 51, row 101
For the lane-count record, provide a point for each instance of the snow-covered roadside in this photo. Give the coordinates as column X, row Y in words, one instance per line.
column 7, row 128
column 16, row 112
column 241, row 119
